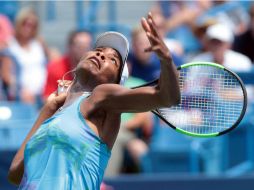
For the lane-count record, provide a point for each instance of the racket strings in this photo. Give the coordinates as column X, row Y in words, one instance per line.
column 211, row 100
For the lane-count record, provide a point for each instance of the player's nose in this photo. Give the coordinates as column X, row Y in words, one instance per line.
column 100, row 55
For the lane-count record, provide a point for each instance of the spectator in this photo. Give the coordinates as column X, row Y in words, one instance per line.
column 230, row 13
column 173, row 45
column 244, row 43
column 219, row 39
column 6, row 31
column 8, row 85
column 8, row 88
column 78, row 43
column 30, row 56
column 199, row 30
column 179, row 17
column 145, row 65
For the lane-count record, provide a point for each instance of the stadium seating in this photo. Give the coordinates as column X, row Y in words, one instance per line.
column 170, row 152
column 16, row 119
column 240, row 142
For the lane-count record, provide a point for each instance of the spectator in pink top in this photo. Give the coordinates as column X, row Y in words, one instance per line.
column 6, row 31
column 7, row 75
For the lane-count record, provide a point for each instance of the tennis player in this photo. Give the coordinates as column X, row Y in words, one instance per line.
column 69, row 148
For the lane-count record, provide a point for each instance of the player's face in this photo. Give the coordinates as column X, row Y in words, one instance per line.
column 102, row 65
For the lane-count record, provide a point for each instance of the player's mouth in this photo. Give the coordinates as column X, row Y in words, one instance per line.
column 95, row 61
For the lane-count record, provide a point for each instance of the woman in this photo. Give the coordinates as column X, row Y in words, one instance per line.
column 8, row 87
column 30, row 54
column 70, row 150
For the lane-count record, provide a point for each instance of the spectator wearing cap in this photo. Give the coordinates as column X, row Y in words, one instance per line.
column 218, row 41
column 146, row 65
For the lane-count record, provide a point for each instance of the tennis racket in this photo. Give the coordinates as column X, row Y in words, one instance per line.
column 213, row 100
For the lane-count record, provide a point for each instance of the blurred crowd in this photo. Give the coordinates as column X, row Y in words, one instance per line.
column 214, row 31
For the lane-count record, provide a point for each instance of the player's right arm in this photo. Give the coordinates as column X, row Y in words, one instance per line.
column 16, row 170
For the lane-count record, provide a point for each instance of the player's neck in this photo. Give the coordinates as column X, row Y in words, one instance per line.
column 75, row 91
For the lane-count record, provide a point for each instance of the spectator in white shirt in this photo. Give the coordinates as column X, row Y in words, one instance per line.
column 30, row 55
column 219, row 39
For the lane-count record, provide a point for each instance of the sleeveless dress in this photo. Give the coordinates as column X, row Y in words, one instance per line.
column 65, row 154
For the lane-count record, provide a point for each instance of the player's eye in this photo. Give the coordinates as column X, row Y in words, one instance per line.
column 113, row 61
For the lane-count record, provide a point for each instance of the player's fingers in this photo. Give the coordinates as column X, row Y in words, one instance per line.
column 60, row 98
column 153, row 48
column 52, row 96
column 149, row 49
column 152, row 38
column 150, row 16
column 145, row 25
column 67, row 82
column 60, row 82
column 64, row 82
column 156, row 48
column 152, row 27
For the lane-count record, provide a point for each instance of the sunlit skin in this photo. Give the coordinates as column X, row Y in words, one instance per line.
column 98, row 73
column 99, row 66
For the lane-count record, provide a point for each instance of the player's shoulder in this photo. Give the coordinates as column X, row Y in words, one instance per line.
column 108, row 88
column 101, row 95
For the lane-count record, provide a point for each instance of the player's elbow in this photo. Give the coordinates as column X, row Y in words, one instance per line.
column 14, row 175
column 176, row 99
column 171, row 100
column 12, row 178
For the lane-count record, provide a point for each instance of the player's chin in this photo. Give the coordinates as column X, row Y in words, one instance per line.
column 89, row 69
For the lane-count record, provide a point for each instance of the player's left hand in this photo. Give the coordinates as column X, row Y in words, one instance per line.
column 156, row 41
column 56, row 100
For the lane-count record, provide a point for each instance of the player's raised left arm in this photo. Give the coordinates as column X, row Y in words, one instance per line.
column 168, row 82
column 165, row 94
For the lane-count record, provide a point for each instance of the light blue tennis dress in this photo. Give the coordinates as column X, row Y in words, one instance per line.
column 65, row 154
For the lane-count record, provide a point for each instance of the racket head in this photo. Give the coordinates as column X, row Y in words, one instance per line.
column 213, row 101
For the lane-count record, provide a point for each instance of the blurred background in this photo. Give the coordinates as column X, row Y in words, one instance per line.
column 42, row 40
